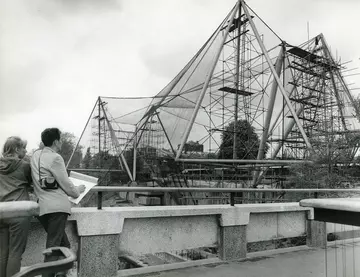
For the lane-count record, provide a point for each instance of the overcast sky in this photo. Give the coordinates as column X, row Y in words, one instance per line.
column 57, row 56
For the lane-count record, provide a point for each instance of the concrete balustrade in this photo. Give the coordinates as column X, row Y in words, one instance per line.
column 337, row 213
column 99, row 236
column 18, row 209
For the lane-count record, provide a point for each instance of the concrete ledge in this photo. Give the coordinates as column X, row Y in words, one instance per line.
column 18, row 209
column 174, row 228
column 341, row 204
column 234, row 217
column 273, row 207
column 93, row 222
column 276, row 225
column 110, row 220
column 167, row 234
column 277, row 208
column 230, row 215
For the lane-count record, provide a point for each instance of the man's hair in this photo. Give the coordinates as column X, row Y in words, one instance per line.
column 12, row 144
column 49, row 135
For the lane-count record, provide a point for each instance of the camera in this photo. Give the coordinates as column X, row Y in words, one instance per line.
column 48, row 183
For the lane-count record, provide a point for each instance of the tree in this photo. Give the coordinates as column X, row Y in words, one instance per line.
column 104, row 160
column 87, row 158
column 107, row 161
column 192, row 146
column 247, row 141
column 68, row 145
column 318, row 175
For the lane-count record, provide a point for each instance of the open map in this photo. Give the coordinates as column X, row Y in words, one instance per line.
column 82, row 179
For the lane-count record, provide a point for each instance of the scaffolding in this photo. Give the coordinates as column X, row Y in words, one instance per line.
column 292, row 100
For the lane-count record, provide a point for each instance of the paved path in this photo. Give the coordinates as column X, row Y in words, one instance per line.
column 340, row 260
column 304, row 263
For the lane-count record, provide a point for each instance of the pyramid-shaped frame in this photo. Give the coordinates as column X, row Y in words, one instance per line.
column 294, row 99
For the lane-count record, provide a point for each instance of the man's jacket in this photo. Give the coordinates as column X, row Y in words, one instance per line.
column 52, row 166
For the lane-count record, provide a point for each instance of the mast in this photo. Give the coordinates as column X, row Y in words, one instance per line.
column 99, row 129
column 236, row 104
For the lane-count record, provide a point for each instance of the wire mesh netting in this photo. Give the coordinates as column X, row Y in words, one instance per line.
column 246, row 94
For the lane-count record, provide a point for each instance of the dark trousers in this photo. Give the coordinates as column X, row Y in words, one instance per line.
column 54, row 225
column 13, row 238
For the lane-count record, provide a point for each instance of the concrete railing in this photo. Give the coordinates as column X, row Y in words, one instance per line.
column 100, row 236
column 340, row 214
column 18, row 209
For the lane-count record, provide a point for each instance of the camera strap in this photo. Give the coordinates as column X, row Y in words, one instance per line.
column 39, row 165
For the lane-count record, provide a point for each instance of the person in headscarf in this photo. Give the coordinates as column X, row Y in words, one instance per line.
column 15, row 181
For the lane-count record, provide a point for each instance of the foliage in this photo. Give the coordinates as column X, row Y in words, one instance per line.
column 68, row 145
column 247, row 141
column 192, row 146
column 317, row 174
column 306, row 176
column 87, row 158
column 199, row 155
column 331, row 159
column 105, row 160
column 338, row 149
column 356, row 103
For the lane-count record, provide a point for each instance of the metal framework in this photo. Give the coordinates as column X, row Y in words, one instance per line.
column 293, row 97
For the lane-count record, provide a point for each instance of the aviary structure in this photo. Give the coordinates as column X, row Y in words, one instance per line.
column 291, row 103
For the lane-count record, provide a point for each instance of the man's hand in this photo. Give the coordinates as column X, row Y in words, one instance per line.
column 81, row 188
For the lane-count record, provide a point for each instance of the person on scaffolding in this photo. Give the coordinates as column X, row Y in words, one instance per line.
column 52, row 187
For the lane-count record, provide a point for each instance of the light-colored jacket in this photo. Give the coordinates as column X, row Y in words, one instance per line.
column 52, row 165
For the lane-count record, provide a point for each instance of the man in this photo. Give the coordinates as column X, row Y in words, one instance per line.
column 52, row 187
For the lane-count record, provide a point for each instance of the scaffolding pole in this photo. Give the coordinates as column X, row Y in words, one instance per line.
column 237, row 84
column 355, row 106
column 117, row 146
column 281, row 87
column 206, row 83
column 274, row 88
column 134, row 156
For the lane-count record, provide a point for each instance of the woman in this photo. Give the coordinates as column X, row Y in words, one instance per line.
column 15, row 180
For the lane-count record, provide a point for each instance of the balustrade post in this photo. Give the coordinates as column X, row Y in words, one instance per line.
column 99, row 200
